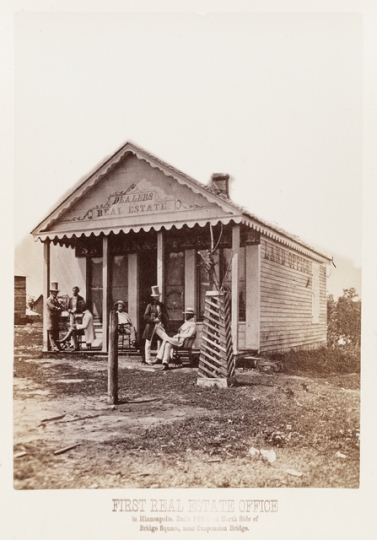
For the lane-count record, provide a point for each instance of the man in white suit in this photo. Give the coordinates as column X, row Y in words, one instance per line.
column 186, row 331
column 86, row 325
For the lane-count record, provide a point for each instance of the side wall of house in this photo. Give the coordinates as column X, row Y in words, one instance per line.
column 19, row 296
column 293, row 313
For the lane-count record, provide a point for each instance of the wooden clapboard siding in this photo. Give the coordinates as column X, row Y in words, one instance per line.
column 20, row 295
column 286, row 303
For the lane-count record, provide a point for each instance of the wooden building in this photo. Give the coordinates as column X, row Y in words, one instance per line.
column 19, row 299
column 137, row 222
column 38, row 305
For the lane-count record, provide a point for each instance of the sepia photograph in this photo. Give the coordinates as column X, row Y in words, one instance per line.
column 188, row 296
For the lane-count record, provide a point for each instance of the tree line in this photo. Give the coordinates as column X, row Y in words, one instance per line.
column 344, row 319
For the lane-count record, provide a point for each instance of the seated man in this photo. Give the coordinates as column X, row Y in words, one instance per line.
column 86, row 326
column 187, row 330
column 124, row 322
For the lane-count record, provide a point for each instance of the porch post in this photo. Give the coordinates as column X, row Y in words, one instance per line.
column 253, row 271
column 235, row 285
column 105, row 285
column 46, row 292
column 133, row 290
column 190, row 278
column 160, row 263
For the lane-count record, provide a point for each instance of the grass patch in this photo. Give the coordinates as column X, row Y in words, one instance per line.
column 321, row 362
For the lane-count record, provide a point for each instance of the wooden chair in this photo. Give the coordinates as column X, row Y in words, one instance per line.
column 80, row 339
column 126, row 341
column 178, row 354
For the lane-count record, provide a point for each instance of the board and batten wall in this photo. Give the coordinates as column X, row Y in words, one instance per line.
column 293, row 306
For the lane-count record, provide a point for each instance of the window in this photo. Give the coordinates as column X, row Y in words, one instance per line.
column 175, row 283
column 95, row 287
column 119, row 279
column 242, row 284
column 223, row 270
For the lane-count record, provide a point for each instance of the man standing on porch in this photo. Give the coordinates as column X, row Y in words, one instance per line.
column 54, row 309
column 74, row 310
column 155, row 313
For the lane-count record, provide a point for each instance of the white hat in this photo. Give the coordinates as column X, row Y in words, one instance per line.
column 54, row 286
column 189, row 311
column 156, row 291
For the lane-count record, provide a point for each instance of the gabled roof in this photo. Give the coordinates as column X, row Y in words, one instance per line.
column 229, row 210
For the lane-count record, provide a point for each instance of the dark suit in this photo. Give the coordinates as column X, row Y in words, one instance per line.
column 154, row 310
column 78, row 300
column 76, row 308
column 151, row 313
column 54, row 309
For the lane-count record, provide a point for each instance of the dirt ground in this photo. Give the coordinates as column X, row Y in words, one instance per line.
column 267, row 430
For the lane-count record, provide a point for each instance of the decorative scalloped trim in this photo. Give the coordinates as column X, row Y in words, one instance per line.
column 138, row 228
column 168, row 226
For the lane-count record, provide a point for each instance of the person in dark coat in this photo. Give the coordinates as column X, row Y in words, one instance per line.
column 155, row 313
column 74, row 309
column 74, row 304
column 54, row 309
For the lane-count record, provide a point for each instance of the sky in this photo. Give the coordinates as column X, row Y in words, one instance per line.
column 273, row 99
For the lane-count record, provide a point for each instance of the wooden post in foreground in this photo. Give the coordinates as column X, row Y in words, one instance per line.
column 112, row 398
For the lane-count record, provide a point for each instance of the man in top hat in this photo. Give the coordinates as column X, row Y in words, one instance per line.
column 187, row 330
column 54, row 309
column 124, row 321
column 155, row 314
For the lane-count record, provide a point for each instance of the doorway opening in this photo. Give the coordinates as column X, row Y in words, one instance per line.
column 147, row 279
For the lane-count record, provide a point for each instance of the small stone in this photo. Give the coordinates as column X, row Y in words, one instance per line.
column 270, row 455
column 294, row 473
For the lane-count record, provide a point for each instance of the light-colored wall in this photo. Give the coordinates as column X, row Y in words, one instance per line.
column 67, row 270
column 286, row 320
column 180, row 202
column 252, row 326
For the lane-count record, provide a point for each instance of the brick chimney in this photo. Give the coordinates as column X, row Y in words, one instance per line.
column 220, row 183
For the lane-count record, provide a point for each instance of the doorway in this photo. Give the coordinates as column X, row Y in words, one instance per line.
column 174, row 288
column 147, row 279
column 94, row 286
